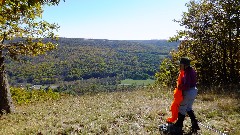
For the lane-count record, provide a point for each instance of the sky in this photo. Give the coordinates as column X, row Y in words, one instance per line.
column 116, row 19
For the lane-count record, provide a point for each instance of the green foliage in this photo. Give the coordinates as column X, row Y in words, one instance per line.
column 33, row 2
column 22, row 96
column 22, row 21
column 168, row 73
column 77, row 59
column 211, row 40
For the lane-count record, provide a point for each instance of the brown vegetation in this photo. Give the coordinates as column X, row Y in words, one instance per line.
column 135, row 112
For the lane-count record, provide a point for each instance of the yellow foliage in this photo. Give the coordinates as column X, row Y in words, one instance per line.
column 22, row 96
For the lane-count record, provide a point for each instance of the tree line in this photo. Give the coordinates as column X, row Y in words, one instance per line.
column 77, row 59
column 210, row 40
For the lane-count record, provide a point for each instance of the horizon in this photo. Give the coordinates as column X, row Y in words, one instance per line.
column 109, row 39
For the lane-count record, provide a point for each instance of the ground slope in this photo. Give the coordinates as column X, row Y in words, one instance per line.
column 134, row 112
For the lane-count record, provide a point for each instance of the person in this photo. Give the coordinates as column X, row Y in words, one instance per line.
column 189, row 92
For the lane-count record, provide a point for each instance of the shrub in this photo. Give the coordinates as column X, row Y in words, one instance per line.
column 167, row 74
column 22, row 96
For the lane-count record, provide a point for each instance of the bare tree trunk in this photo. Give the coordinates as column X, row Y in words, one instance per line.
column 6, row 104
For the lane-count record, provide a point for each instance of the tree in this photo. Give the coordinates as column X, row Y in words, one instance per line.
column 167, row 74
column 22, row 32
column 211, row 39
column 33, row 2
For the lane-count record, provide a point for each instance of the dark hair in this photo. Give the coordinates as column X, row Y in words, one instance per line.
column 185, row 61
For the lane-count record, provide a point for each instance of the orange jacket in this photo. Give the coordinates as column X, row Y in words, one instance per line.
column 177, row 99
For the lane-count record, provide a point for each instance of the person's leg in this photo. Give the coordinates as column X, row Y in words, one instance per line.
column 192, row 94
column 188, row 99
column 190, row 112
column 179, row 122
column 182, row 112
column 176, row 128
column 194, row 121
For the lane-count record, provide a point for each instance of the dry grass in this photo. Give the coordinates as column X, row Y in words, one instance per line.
column 137, row 112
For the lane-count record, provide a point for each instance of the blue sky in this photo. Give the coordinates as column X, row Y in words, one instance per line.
column 116, row 19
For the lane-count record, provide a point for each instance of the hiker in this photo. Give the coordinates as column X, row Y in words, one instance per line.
column 177, row 99
column 189, row 92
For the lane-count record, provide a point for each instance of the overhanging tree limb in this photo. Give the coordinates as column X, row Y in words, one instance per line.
column 22, row 34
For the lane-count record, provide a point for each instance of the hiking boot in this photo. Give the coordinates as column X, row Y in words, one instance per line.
column 170, row 129
column 194, row 122
column 177, row 127
column 179, row 122
column 175, row 130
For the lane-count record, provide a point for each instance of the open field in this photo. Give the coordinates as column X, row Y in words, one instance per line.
column 137, row 82
column 135, row 112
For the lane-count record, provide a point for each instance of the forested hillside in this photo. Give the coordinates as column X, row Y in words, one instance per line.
column 80, row 59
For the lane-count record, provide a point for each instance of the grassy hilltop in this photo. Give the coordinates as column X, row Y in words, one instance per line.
column 132, row 112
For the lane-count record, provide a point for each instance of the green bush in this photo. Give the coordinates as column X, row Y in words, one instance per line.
column 168, row 73
column 22, row 96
